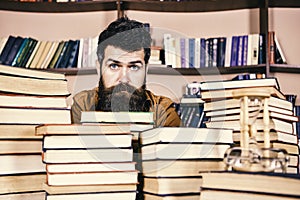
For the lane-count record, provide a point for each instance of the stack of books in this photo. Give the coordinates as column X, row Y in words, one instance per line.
column 223, row 111
column 92, row 161
column 27, row 98
column 172, row 158
column 138, row 121
column 247, row 185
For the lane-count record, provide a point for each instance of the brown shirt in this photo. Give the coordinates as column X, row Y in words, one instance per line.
column 162, row 107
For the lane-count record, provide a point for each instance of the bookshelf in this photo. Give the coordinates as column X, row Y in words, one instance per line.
column 121, row 6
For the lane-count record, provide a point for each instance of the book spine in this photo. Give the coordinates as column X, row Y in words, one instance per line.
column 182, row 52
column 240, row 50
column 271, row 47
column 245, row 50
column 191, row 52
column 6, row 49
column 234, row 50
column 14, row 50
column 202, row 52
column 221, row 51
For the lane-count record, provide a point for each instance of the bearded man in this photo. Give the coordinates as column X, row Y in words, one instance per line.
column 123, row 52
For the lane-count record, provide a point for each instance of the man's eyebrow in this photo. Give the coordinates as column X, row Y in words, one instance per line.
column 132, row 62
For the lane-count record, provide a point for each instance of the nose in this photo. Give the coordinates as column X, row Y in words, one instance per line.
column 124, row 75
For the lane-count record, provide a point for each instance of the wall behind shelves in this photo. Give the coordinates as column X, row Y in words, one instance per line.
column 63, row 26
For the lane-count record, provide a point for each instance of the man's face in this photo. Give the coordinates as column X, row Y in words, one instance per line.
column 120, row 66
column 121, row 86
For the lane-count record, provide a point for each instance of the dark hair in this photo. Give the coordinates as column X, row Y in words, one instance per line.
column 129, row 35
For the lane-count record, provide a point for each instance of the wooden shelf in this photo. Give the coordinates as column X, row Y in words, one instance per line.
column 75, row 71
column 53, row 7
column 146, row 5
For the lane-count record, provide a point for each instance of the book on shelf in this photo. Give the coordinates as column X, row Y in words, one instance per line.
column 90, row 167
column 72, row 62
column 21, row 183
column 185, row 135
column 275, row 184
column 34, row 115
column 231, row 84
column 66, row 54
column 56, row 55
column 87, row 141
column 253, row 46
column 183, row 151
column 37, row 56
column 271, row 47
column 116, row 117
column 62, row 52
column 49, row 54
column 38, row 195
column 213, row 95
column 180, row 167
column 33, row 53
column 14, row 50
column 82, row 189
column 126, row 195
column 172, row 185
column 6, row 49
column 276, row 124
column 39, row 64
column 21, row 164
column 18, row 146
column 25, row 54
column 87, row 155
column 3, row 41
column 279, row 55
column 92, row 178
column 21, row 51
column 14, row 100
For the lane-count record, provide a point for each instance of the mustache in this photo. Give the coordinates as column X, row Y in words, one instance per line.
column 122, row 87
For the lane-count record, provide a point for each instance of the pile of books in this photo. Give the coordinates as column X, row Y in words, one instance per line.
column 223, row 111
column 172, row 158
column 28, row 98
column 91, row 161
column 247, row 185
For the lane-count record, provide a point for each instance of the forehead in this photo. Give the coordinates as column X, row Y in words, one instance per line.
column 115, row 53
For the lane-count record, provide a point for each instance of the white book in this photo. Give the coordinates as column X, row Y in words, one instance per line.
column 228, row 51
column 197, row 52
column 253, row 49
column 167, row 46
column 94, row 196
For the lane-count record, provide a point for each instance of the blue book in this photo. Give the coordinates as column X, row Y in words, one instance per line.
column 202, row 52
column 72, row 63
column 182, row 53
column 61, row 55
column 234, row 50
column 261, row 50
column 240, row 50
column 7, row 47
column 221, row 51
column 31, row 46
column 245, row 50
column 20, row 52
column 191, row 52
column 14, row 50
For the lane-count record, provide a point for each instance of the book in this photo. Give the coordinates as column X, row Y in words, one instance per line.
column 92, row 178
column 274, row 136
column 116, row 117
column 253, row 44
column 63, row 62
column 94, row 196
column 14, row 146
column 87, row 155
column 86, row 141
column 13, row 100
column 14, row 50
column 44, row 54
column 81, row 189
column 90, row 167
column 61, row 54
column 21, row 164
column 49, row 54
column 33, row 54
column 230, row 84
column 16, row 71
column 18, row 131
column 148, row 196
column 235, row 103
column 72, row 62
column 34, row 116
column 33, row 86
column 208, row 194
column 80, row 129
column 179, row 167
column 271, row 47
column 3, row 41
column 6, row 49
column 185, row 135
column 230, row 112
column 24, row 196
column 38, row 54
column 282, row 184
column 183, row 151
column 172, row 185
column 27, row 52
column 212, row 95
column 56, row 55
column 21, row 51
column 276, row 124
column 279, row 55
column 22, row 183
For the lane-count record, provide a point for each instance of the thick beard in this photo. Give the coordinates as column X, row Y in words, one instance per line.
column 122, row 97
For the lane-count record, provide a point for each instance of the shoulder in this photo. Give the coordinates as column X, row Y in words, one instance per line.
column 86, row 94
column 159, row 99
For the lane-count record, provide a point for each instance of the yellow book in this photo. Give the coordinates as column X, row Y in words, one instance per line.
column 38, row 54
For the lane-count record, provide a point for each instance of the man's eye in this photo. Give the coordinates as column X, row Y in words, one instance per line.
column 134, row 67
column 113, row 66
